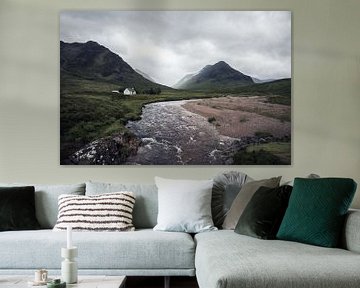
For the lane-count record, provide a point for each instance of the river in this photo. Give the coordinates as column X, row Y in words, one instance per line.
column 172, row 135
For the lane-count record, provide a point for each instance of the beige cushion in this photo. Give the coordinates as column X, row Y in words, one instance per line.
column 243, row 198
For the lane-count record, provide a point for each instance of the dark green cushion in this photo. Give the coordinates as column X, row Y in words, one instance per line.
column 264, row 213
column 316, row 211
column 17, row 208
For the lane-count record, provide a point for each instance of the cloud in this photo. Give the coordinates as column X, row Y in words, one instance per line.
column 170, row 44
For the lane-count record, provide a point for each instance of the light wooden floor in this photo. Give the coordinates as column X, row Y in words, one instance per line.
column 158, row 282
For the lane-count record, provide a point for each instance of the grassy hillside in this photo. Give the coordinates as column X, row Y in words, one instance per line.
column 278, row 87
column 71, row 84
column 273, row 153
column 224, row 86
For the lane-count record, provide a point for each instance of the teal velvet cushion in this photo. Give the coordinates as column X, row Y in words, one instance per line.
column 316, row 211
column 263, row 214
column 17, row 208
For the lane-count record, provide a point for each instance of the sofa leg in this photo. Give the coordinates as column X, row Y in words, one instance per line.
column 167, row 282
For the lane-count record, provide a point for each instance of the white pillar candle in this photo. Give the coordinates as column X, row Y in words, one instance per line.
column 69, row 237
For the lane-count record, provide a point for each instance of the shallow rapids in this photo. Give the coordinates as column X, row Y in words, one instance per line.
column 172, row 135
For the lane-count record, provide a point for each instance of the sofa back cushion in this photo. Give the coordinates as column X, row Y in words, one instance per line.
column 46, row 200
column 146, row 204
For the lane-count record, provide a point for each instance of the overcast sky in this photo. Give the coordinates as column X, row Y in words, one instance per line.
column 167, row 45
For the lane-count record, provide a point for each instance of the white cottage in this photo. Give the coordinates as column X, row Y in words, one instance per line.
column 129, row 91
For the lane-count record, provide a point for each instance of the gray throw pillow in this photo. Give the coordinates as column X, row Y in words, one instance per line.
column 184, row 205
column 242, row 199
column 226, row 187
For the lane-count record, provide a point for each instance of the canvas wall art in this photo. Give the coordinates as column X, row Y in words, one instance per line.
column 175, row 88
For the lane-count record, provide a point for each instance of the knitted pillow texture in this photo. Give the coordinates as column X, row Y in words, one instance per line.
column 105, row 212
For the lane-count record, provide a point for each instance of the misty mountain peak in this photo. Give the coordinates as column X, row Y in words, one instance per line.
column 215, row 76
column 221, row 64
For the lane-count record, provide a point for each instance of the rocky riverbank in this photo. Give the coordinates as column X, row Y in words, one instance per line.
column 112, row 150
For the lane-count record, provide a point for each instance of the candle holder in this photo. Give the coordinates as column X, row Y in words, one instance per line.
column 69, row 271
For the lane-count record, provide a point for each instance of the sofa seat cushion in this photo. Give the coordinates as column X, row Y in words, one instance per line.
column 142, row 249
column 226, row 259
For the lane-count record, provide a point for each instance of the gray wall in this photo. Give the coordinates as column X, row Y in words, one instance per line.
column 326, row 88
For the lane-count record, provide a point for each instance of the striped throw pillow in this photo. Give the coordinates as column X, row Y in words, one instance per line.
column 105, row 212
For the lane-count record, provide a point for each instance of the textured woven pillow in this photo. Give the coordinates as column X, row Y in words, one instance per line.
column 105, row 212
column 316, row 211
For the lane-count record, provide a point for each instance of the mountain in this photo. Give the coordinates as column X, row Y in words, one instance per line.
column 256, row 80
column 219, row 76
column 92, row 61
column 146, row 76
column 183, row 80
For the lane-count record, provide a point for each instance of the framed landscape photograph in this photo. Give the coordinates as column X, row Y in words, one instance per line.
column 175, row 88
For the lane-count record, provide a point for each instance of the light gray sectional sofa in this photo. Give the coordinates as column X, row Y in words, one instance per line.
column 219, row 259
column 226, row 259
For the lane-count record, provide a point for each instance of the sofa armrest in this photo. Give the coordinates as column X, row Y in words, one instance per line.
column 351, row 234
